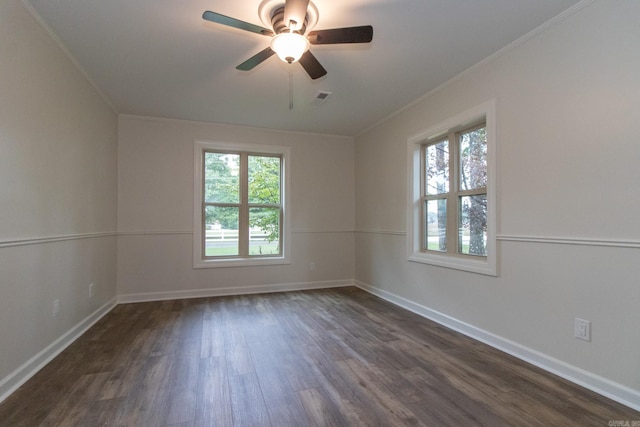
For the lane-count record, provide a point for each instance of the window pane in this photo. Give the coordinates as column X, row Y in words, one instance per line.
column 437, row 168
column 472, row 238
column 436, row 230
column 221, row 231
column 473, row 159
column 264, row 180
column 221, row 178
column 264, row 231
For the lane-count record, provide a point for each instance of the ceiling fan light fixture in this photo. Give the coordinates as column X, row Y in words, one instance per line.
column 289, row 46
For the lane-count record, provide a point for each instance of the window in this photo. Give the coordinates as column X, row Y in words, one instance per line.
column 451, row 193
column 454, row 206
column 240, row 215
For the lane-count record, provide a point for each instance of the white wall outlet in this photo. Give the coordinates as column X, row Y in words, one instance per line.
column 583, row 329
column 90, row 290
column 56, row 308
column 312, row 266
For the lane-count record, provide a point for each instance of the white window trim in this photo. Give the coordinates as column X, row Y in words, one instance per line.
column 198, row 260
column 483, row 265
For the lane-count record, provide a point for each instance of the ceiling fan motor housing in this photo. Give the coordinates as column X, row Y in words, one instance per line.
column 279, row 26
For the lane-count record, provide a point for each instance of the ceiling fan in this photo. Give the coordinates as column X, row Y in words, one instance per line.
column 290, row 22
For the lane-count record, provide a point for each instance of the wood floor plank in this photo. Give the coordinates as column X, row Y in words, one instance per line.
column 146, row 402
column 212, row 341
column 385, row 399
column 308, row 327
column 213, row 400
column 281, row 372
column 597, row 408
column 189, row 335
column 332, row 357
column 322, row 412
column 126, row 366
column 181, row 402
column 167, row 334
column 462, row 406
column 102, row 413
column 247, row 403
column 345, row 396
column 236, row 351
column 72, row 410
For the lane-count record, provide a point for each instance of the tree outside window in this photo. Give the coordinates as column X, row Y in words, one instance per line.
column 454, row 194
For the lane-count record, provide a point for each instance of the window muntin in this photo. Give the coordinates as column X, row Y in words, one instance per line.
column 456, row 216
column 242, row 204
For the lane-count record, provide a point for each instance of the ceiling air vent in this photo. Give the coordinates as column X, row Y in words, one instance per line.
column 321, row 97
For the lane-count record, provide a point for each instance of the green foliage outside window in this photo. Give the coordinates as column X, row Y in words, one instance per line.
column 222, row 186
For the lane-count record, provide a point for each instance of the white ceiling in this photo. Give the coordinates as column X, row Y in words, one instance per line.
column 160, row 58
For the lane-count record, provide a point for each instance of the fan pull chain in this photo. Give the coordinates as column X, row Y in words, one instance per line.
column 290, row 91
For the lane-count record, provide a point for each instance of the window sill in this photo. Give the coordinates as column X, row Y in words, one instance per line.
column 240, row 262
column 478, row 265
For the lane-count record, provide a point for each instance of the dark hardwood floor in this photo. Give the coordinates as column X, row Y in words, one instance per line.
column 337, row 357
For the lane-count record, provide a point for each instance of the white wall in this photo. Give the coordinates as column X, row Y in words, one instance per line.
column 568, row 111
column 155, row 211
column 57, row 195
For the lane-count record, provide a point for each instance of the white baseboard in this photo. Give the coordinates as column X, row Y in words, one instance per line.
column 234, row 290
column 11, row 382
column 615, row 391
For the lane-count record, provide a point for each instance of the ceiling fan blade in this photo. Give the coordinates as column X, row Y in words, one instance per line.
column 256, row 59
column 296, row 11
column 235, row 23
column 363, row 34
column 312, row 66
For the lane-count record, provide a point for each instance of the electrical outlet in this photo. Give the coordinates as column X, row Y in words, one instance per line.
column 90, row 290
column 583, row 329
column 56, row 307
column 312, row 266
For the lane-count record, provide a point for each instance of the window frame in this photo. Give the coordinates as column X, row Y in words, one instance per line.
column 416, row 214
column 200, row 260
